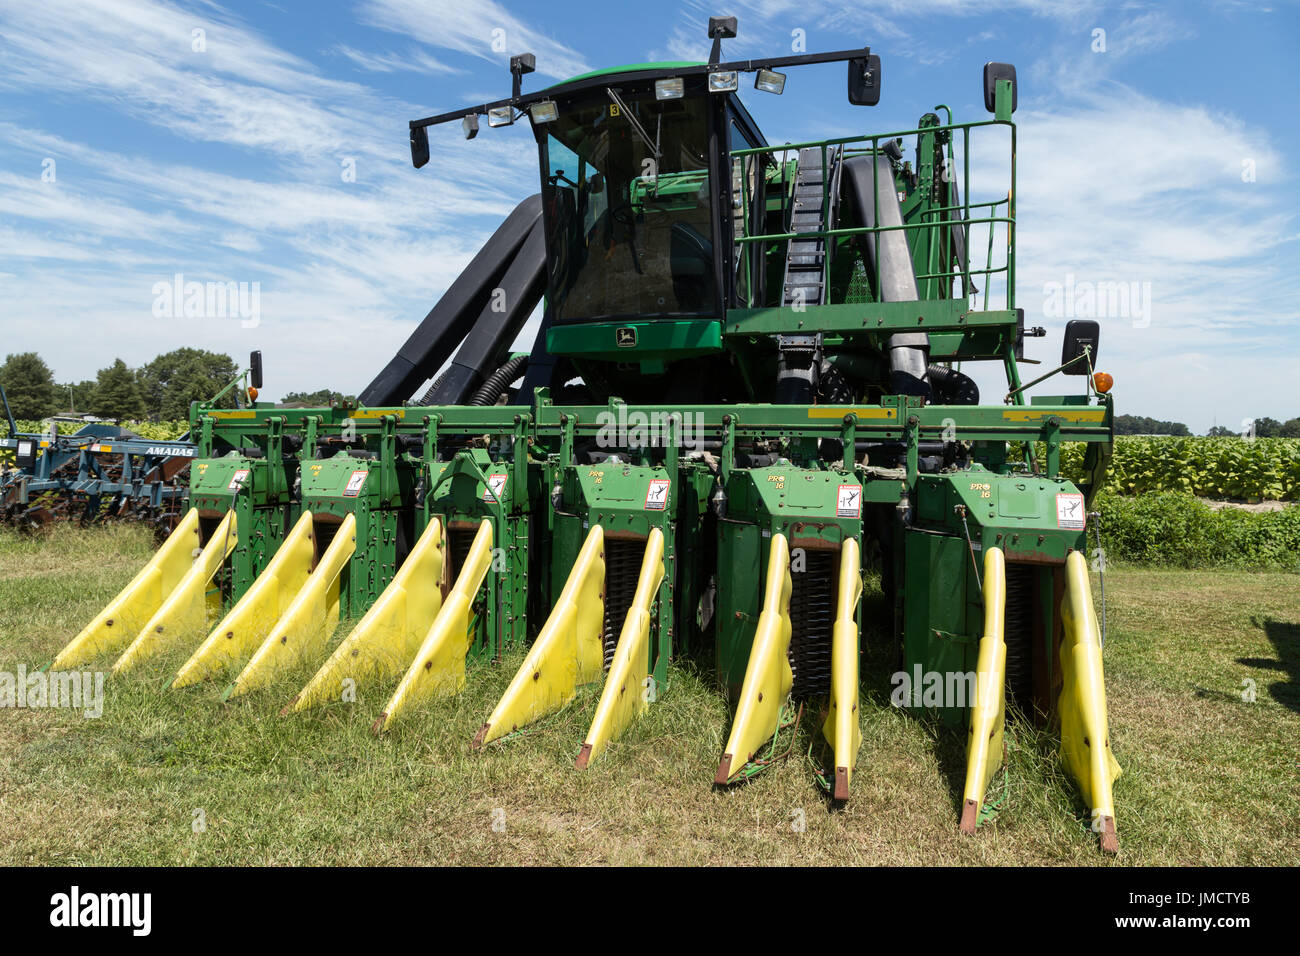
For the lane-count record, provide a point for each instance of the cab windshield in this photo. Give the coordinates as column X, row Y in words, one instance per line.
column 626, row 199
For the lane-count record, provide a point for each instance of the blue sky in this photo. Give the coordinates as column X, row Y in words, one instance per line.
column 130, row 152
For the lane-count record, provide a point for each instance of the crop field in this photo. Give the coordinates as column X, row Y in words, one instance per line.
column 1203, row 683
column 1255, row 469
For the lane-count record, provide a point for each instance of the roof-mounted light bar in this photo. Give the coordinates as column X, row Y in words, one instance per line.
column 719, row 78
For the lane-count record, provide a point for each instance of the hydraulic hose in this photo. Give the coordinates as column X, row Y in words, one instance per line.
column 499, row 380
column 952, row 387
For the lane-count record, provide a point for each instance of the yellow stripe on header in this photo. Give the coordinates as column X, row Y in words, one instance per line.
column 829, row 412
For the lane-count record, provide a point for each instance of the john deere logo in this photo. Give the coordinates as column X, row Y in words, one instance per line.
column 625, row 337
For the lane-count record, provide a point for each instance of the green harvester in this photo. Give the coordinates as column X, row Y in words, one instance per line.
column 744, row 398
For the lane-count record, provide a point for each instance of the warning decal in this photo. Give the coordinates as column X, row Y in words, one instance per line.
column 1069, row 511
column 848, row 501
column 239, row 478
column 496, row 486
column 656, row 496
column 353, row 487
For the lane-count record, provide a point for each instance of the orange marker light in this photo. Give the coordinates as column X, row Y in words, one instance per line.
column 1102, row 382
column 252, row 392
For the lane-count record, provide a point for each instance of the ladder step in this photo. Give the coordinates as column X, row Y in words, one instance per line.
column 806, row 258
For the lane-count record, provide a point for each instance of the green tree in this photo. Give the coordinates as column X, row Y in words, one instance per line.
column 1290, row 428
column 1221, row 431
column 173, row 380
column 29, row 386
column 1142, row 425
column 117, row 393
column 317, row 399
column 76, row 396
column 1267, row 427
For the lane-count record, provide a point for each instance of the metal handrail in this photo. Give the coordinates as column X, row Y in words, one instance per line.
column 963, row 215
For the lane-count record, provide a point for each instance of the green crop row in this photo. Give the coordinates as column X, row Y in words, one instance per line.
column 1175, row 529
column 152, row 431
column 1220, row 468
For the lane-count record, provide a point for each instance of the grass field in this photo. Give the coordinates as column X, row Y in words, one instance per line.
column 1208, row 777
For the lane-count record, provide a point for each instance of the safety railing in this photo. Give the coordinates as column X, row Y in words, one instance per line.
column 935, row 277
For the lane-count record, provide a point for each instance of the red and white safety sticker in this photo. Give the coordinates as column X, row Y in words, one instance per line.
column 355, row 481
column 238, row 479
column 848, row 501
column 496, row 487
column 656, row 496
column 1069, row 512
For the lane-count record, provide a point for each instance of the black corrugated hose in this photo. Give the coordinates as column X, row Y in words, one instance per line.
column 498, row 381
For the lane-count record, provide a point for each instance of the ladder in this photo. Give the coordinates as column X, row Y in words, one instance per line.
column 805, row 260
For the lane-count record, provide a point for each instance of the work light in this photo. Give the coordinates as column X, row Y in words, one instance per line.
column 724, row 81
column 769, row 81
column 544, row 112
column 670, row 89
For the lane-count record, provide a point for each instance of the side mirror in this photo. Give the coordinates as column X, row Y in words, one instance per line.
column 255, row 369
column 520, row 66
column 864, row 80
column 722, row 28
column 992, row 73
column 1080, row 334
column 597, row 183
column 419, row 146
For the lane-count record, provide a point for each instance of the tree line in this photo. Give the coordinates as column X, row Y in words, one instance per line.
column 1264, row 428
column 160, row 390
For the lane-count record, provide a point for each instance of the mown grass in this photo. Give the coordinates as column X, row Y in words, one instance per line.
column 1208, row 778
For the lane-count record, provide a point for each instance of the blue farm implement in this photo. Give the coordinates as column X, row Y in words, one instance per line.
column 100, row 471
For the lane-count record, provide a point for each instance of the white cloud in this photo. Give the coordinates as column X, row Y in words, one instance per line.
column 138, row 56
column 415, row 61
column 764, row 25
column 472, row 28
column 1117, row 186
column 346, row 268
